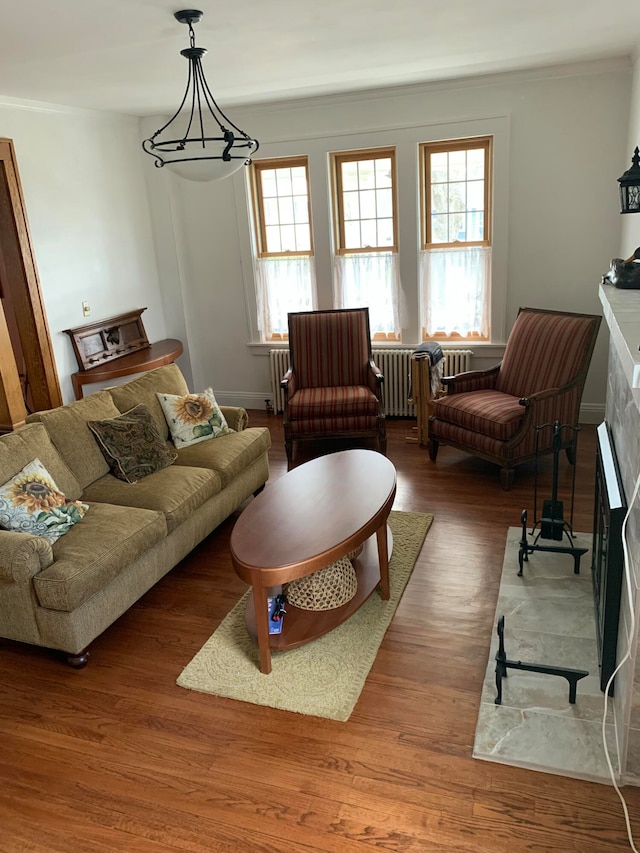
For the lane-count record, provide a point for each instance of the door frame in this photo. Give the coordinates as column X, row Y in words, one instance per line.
column 21, row 282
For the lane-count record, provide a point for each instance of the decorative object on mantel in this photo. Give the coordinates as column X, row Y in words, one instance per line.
column 552, row 523
column 117, row 346
column 624, row 274
column 630, row 186
column 202, row 157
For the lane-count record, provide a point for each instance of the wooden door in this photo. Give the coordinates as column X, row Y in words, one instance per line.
column 24, row 332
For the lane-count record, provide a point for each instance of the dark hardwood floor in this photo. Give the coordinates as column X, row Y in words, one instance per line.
column 116, row 757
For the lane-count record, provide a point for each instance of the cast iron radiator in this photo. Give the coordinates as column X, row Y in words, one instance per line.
column 395, row 365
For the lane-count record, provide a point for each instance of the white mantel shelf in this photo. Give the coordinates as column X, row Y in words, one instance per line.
column 621, row 310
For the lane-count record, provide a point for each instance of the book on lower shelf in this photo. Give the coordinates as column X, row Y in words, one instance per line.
column 275, row 609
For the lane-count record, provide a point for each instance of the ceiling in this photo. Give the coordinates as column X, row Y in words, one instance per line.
column 124, row 55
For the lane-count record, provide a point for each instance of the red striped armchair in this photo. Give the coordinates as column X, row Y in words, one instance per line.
column 493, row 413
column 333, row 389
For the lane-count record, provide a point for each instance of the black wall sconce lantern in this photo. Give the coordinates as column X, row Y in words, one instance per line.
column 630, row 186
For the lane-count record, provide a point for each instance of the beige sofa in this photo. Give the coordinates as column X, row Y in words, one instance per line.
column 62, row 596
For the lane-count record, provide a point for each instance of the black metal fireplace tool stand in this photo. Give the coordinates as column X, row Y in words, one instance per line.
column 573, row 676
column 553, row 525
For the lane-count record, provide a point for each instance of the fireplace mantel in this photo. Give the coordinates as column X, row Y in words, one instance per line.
column 621, row 309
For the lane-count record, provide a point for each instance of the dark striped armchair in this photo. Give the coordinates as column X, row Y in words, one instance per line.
column 333, row 389
column 493, row 413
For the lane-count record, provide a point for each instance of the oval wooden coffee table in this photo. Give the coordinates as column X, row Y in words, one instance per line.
column 310, row 517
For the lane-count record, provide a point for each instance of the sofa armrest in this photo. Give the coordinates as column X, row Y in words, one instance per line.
column 22, row 555
column 236, row 417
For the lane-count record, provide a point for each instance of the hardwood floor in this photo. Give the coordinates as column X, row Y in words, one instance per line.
column 116, row 757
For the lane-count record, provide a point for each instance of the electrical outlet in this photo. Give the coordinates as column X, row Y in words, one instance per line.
column 86, row 309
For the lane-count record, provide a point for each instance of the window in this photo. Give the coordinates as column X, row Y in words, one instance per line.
column 284, row 266
column 456, row 220
column 366, row 237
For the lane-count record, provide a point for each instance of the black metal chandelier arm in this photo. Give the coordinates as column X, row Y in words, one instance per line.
column 213, row 105
column 178, row 111
column 149, row 147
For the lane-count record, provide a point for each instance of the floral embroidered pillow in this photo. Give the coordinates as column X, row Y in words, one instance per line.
column 31, row 502
column 193, row 418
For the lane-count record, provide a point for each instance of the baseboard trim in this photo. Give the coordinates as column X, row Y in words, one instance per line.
column 246, row 399
column 592, row 413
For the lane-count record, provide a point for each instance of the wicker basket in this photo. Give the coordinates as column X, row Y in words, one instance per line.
column 325, row 589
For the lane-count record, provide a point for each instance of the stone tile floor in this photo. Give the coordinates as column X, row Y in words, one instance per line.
column 549, row 619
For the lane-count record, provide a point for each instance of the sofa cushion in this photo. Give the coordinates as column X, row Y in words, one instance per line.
column 67, row 426
column 132, row 445
column 175, row 492
column 228, row 455
column 93, row 553
column 192, row 418
column 167, row 379
column 31, row 502
column 30, row 442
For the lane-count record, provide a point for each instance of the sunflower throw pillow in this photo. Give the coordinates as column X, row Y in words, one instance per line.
column 31, row 502
column 193, row 418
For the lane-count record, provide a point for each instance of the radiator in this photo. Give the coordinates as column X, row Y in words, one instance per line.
column 395, row 365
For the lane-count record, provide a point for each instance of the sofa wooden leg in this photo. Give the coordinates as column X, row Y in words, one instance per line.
column 506, row 478
column 80, row 660
column 433, row 448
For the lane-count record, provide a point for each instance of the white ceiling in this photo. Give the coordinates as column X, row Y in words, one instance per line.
column 124, row 55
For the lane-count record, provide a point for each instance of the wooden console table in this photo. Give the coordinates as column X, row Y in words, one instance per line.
column 154, row 355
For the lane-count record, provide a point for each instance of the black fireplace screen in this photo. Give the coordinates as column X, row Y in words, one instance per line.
column 608, row 556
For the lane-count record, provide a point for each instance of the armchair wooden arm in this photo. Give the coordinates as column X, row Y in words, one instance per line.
column 471, row 380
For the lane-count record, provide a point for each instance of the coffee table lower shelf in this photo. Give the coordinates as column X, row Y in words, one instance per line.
column 302, row 626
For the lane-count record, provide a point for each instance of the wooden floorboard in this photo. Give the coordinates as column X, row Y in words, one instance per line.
column 117, row 757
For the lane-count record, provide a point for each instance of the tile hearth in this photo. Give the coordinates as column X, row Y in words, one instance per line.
column 549, row 619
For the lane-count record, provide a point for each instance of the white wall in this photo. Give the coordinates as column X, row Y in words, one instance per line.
column 111, row 229
column 630, row 231
column 89, row 218
column 566, row 146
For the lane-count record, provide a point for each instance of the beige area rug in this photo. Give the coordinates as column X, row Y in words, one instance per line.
column 325, row 677
column 549, row 619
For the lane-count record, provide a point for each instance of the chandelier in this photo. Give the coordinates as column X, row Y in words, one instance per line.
column 202, row 144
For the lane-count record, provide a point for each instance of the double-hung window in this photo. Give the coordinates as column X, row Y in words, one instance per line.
column 456, row 218
column 366, row 237
column 283, row 240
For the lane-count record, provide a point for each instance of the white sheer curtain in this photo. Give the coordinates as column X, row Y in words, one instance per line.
column 455, row 289
column 283, row 285
column 370, row 280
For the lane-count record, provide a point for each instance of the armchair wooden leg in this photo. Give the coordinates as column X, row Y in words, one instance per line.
column 506, row 478
column 433, row 448
column 288, row 446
